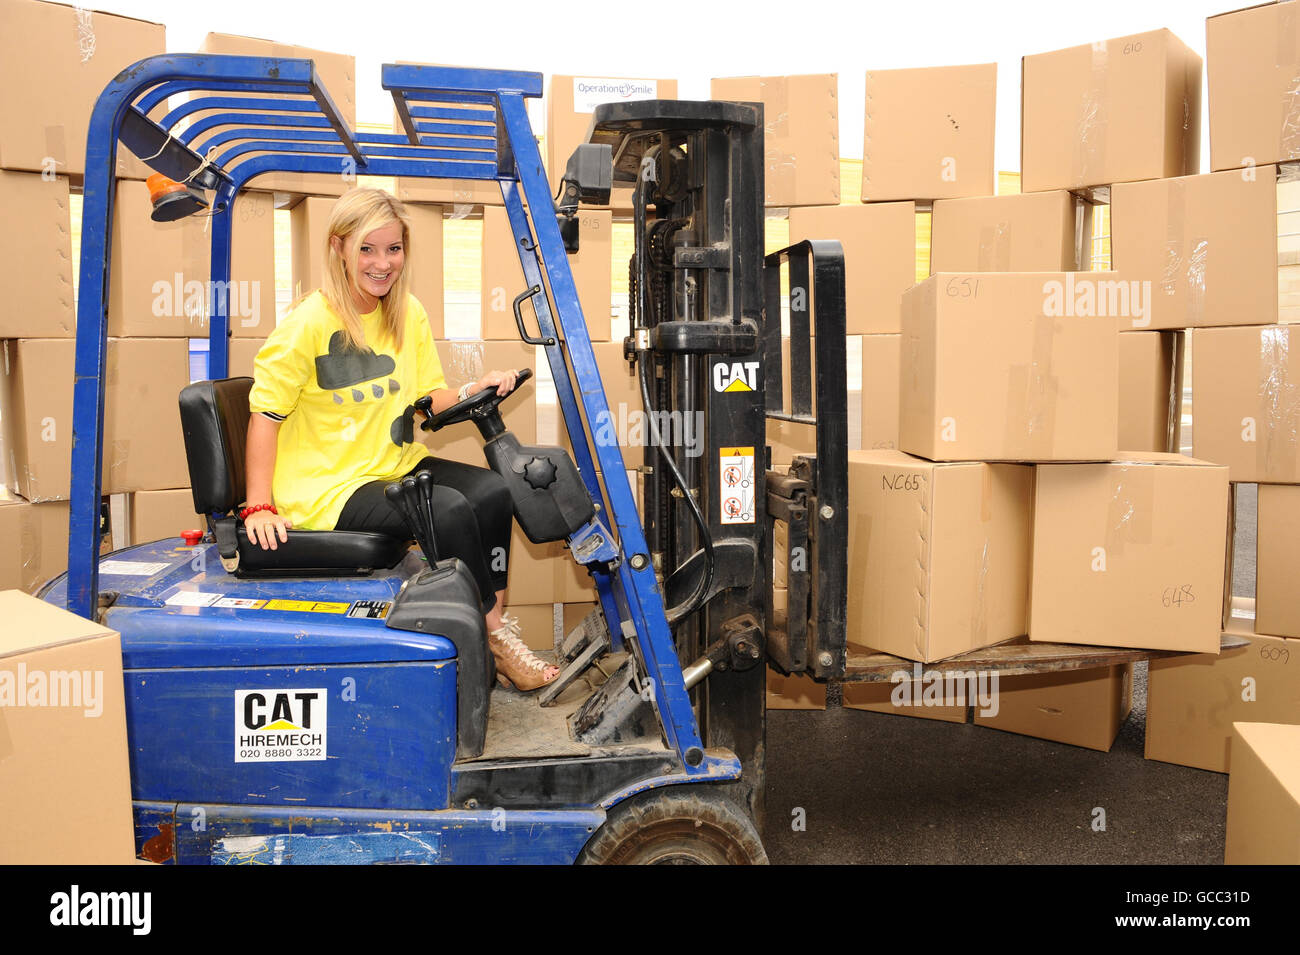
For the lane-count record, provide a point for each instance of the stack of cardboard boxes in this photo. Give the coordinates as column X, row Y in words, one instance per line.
column 74, row 54
column 1215, row 235
column 1031, row 493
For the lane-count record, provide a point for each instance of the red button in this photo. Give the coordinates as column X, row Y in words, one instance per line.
column 192, row 537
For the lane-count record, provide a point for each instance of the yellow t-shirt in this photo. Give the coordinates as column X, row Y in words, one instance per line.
column 346, row 413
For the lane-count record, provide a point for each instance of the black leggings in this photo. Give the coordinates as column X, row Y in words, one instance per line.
column 473, row 515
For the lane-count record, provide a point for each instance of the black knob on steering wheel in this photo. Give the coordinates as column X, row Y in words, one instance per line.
column 481, row 405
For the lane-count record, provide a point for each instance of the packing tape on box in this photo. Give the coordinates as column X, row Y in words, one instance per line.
column 1185, row 262
column 1279, row 399
column 1289, row 108
column 85, row 33
column 1032, row 393
column 29, row 548
column 995, row 248
column 1128, row 514
column 781, row 165
column 921, row 615
column 1090, row 134
column 115, row 461
column 466, row 364
column 979, row 616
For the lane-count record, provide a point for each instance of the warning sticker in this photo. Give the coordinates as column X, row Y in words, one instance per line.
column 373, row 609
column 190, row 598
column 240, row 603
column 279, row 726
column 307, row 606
column 736, row 478
column 134, row 568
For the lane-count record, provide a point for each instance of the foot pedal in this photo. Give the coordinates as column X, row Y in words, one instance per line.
column 576, row 667
column 591, row 628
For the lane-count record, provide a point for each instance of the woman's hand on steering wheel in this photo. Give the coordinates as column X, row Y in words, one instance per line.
column 502, row 381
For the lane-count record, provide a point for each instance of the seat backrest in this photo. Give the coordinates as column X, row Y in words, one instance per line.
column 214, row 420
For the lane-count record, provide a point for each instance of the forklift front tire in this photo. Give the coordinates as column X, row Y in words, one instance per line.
column 676, row 825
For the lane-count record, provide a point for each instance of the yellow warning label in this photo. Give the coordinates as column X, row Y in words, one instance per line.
column 735, row 452
column 307, row 606
column 738, row 385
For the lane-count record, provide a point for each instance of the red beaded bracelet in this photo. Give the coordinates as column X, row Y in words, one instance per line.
column 247, row 512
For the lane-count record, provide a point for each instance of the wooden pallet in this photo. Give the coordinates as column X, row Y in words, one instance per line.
column 1009, row 658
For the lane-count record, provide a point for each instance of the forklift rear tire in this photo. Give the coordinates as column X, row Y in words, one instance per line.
column 677, row 825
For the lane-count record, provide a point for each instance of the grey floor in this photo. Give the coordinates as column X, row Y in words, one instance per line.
column 878, row 788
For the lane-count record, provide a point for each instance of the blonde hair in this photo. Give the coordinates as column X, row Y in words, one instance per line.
column 359, row 212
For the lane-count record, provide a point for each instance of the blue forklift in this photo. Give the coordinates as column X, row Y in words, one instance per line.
column 333, row 701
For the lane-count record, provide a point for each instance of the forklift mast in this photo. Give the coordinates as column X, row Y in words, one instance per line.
column 706, row 347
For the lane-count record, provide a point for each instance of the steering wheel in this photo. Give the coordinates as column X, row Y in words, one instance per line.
column 482, row 404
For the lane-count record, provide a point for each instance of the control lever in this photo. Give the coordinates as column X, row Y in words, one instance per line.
column 425, row 480
column 406, row 496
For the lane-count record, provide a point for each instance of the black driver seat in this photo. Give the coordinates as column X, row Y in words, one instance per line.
column 214, row 419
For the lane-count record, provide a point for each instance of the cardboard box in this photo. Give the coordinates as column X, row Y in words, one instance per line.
column 794, row 692
column 801, row 134
column 57, row 62
column 142, row 452
column 36, row 542
column 573, row 614
column 1245, row 407
column 336, row 72
column 537, row 623
column 1146, row 382
column 36, row 252
column 1080, row 707
column 546, row 573
column 503, row 279
column 1277, row 555
column 1192, row 701
column 1130, row 553
column 1116, row 110
column 161, row 272
column 243, row 352
column 938, row 554
column 880, row 378
column 1003, row 366
column 570, row 103
column 1031, row 232
column 63, row 723
column 465, row 362
column 1209, row 244
column 898, row 699
column 1251, row 57
column 309, row 238
column 929, row 133
column 879, row 243
column 159, row 515
column 1264, row 796
column 627, row 421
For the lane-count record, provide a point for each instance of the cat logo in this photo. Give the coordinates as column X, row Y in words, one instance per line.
column 280, row 725
column 735, row 376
